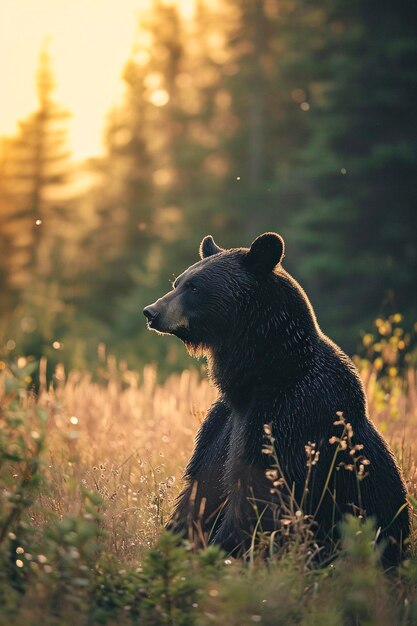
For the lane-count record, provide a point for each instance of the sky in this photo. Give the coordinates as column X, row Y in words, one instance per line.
column 90, row 42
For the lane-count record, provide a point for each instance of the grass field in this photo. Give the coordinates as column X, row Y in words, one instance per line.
column 89, row 469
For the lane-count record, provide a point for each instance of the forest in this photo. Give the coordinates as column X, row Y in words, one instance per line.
column 237, row 118
column 292, row 116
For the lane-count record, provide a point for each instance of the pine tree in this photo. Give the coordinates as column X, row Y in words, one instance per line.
column 124, row 199
column 357, row 229
column 41, row 170
column 36, row 166
column 7, row 248
column 264, row 79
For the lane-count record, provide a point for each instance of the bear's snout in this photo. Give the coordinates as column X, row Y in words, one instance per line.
column 166, row 315
column 150, row 313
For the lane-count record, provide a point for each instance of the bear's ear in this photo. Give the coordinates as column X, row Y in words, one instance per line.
column 208, row 247
column 265, row 253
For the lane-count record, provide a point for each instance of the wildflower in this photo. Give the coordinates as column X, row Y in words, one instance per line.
column 271, row 474
column 267, row 429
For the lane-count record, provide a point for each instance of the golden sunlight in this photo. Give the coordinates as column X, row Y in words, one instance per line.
column 90, row 41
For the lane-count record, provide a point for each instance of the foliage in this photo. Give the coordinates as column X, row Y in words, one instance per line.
column 246, row 117
column 284, row 115
column 21, row 444
column 356, row 224
column 88, row 474
column 390, row 348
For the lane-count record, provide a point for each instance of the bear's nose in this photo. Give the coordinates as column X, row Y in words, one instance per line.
column 150, row 313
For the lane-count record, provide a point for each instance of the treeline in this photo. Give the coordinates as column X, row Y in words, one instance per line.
column 289, row 115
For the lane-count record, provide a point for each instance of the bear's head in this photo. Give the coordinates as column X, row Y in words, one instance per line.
column 215, row 298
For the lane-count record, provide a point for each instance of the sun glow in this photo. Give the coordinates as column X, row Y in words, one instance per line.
column 90, row 42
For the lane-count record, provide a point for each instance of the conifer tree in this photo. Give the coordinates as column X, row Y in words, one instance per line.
column 7, row 245
column 40, row 159
column 36, row 170
column 266, row 83
column 356, row 229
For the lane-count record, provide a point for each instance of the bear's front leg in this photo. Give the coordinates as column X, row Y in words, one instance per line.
column 249, row 509
column 199, row 507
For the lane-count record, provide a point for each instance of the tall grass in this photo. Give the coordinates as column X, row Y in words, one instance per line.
column 127, row 438
column 89, row 469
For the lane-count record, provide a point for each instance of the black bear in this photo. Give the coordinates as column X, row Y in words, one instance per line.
column 273, row 366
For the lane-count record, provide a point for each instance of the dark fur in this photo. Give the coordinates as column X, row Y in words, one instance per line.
column 272, row 365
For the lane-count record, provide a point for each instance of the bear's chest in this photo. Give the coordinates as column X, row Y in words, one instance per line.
column 246, row 443
column 261, row 439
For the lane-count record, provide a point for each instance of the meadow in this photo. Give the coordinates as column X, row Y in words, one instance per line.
column 90, row 465
column 147, row 125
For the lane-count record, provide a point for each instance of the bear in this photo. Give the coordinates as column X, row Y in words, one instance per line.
column 290, row 430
